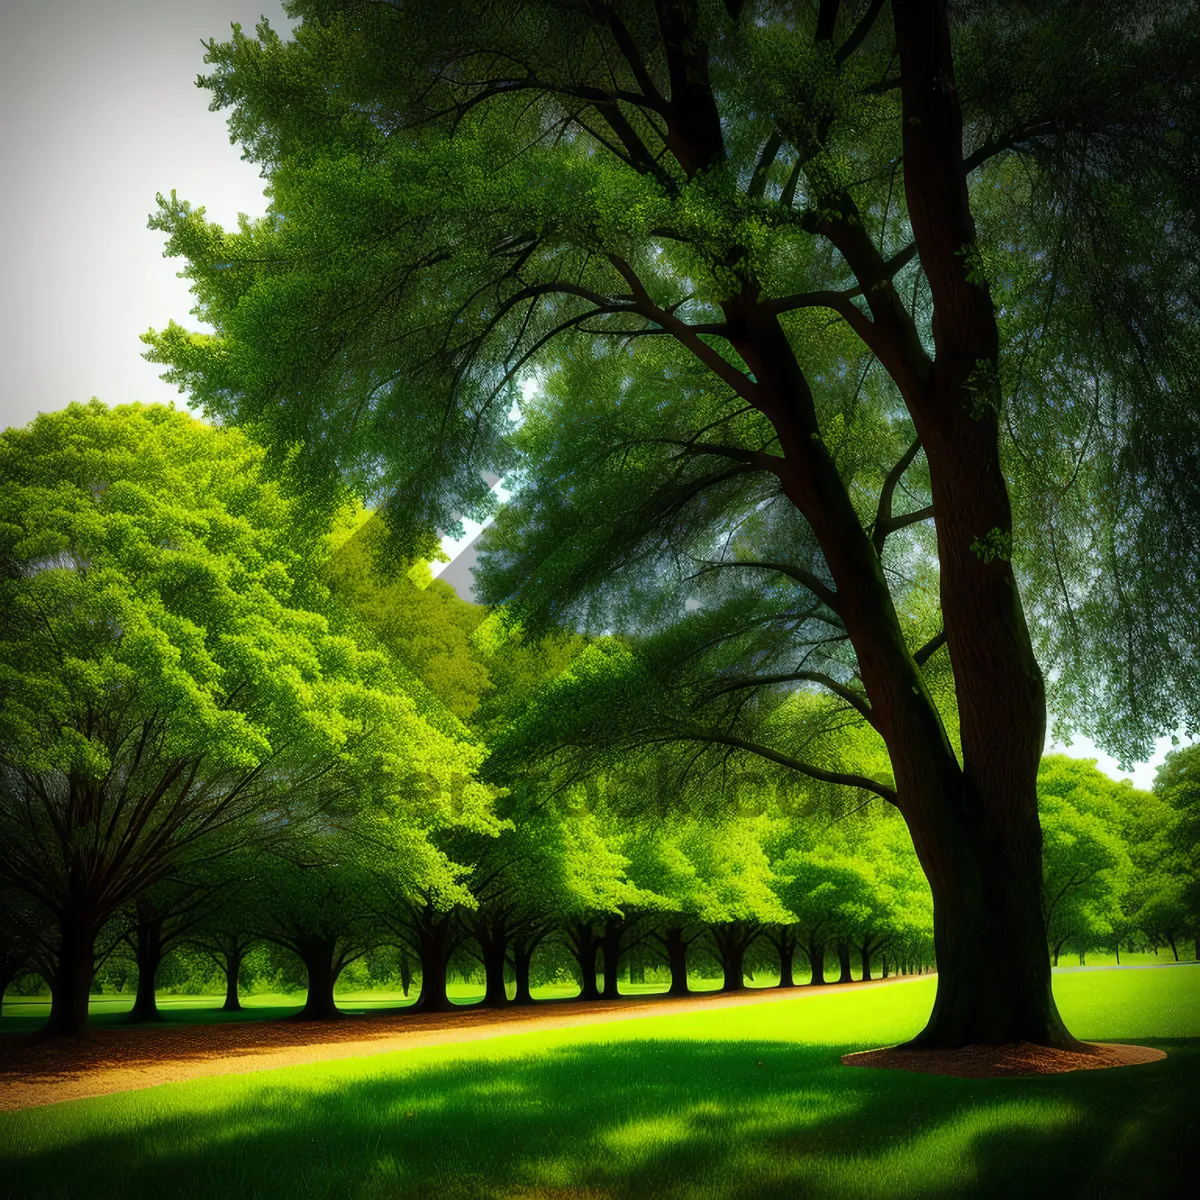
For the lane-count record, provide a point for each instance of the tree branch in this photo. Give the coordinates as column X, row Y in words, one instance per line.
column 930, row 648
column 806, row 578
column 858, row 34
column 851, row 697
column 839, row 778
column 883, row 512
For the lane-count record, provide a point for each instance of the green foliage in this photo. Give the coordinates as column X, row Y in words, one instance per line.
column 1085, row 857
column 176, row 680
column 421, row 621
column 434, row 239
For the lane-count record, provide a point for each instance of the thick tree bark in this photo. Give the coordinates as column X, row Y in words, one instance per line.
column 976, row 832
column 493, row 945
column 814, row 950
column 72, row 981
column 865, row 952
column 732, row 939
column 432, row 950
column 584, row 944
column 317, row 955
column 676, row 947
column 233, row 968
column 785, row 945
column 148, row 951
column 523, row 949
column 994, row 982
column 884, row 967
column 845, row 974
column 732, row 963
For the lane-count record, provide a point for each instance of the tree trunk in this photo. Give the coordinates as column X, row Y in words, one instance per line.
column 883, row 964
column 732, row 963
column 843, row 953
column 431, row 946
column 405, row 973
column 975, row 830
column 731, row 946
column 676, row 948
column 787, row 953
column 1171, row 943
column 317, row 955
column 584, row 944
column 493, row 946
column 586, row 957
column 72, row 980
column 149, row 954
column 865, row 951
column 611, row 946
column 815, row 952
column 1117, row 950
column 233, row 968
column 522, row 959
column 994, row 982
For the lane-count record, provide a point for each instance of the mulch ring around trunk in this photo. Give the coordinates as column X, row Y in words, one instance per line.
column 1010, row 1058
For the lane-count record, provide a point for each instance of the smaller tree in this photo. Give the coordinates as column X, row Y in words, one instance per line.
column 1086, row 862
column 1177, row 784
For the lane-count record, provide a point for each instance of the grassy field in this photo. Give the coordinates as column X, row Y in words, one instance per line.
column 22, row 1014
column 749, row 1103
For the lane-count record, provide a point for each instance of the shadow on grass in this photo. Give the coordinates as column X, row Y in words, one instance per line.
column 670, row 1119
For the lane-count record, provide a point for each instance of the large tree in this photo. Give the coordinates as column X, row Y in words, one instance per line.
column 800, row 283
column 175, row 684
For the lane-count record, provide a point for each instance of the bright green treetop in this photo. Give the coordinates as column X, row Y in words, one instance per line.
column 173, row 675
column 1085, row 855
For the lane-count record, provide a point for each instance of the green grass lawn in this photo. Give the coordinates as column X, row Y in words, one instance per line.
column 24, row 1014
column 749, row 1103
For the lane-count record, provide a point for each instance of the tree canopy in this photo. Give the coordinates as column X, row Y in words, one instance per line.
column 176, row 683
column 844, row 337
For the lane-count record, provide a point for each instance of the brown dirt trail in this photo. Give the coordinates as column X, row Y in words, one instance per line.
column 34, row 1071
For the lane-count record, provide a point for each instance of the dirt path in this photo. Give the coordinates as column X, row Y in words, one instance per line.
column 34, row 1072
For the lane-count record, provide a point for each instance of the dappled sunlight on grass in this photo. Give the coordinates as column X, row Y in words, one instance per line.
column 748, row 1103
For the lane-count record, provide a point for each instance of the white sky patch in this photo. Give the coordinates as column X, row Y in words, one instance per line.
column 101, row 111
column 1142, row 774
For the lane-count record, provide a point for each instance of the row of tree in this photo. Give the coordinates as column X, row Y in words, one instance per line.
column 559, row 889
column 226, row 725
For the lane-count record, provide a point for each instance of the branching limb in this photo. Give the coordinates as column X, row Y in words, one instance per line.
column 843, row 779
column 801, row 575
column 850, row 696
column 930, row 648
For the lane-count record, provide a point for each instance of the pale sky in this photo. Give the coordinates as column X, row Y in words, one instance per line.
column 101, row 112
